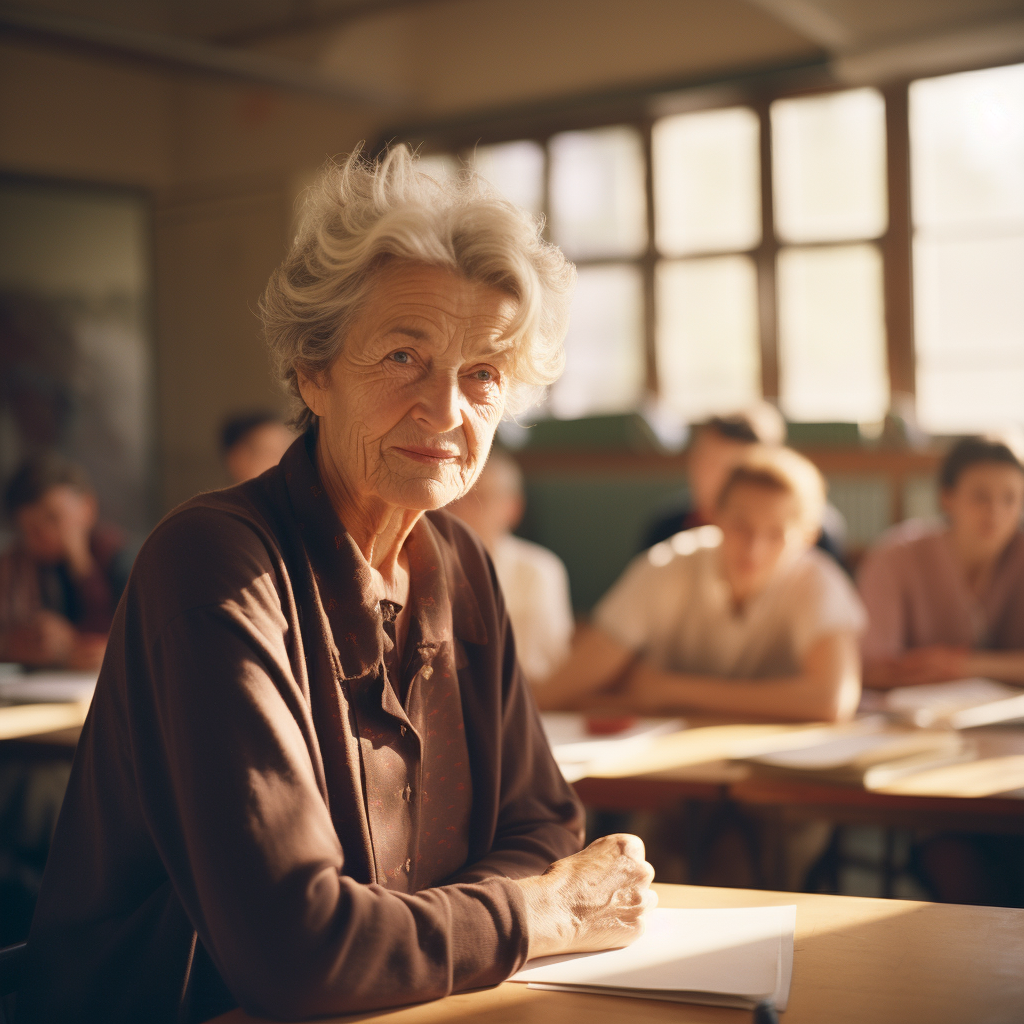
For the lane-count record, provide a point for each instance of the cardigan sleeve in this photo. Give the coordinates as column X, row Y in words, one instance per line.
column 231, row 799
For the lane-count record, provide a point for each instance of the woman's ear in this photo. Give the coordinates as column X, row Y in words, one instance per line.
column 312, row 393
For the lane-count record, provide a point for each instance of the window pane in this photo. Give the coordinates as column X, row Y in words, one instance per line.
column 604, row 367
column 967, row 139
column 969, row 304
column 707, row 181
column 832, row 334
column 439, row 165
column 828, row 160
column 598, row 193
column 516, row 170
column 708, row 356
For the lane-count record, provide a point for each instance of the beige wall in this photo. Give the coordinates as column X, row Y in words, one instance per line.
column 224, row 161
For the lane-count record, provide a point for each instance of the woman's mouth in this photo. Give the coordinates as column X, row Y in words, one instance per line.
column 428, row 456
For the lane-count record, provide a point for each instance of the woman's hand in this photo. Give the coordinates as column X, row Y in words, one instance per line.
column 592, row 900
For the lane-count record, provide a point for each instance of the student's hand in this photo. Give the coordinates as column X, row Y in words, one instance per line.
column 935, row 664
column 87, row 652
column 592, row 900
column 49, row 639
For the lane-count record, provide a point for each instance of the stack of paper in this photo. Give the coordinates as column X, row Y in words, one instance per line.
column 577, row 752
column 47, row 687
column 730, row 957
column 960, row 704
column 868, row 758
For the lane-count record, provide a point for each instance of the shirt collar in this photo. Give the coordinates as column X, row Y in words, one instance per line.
column 441, row 600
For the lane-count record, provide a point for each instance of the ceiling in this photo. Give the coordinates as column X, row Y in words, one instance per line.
column 423, row 54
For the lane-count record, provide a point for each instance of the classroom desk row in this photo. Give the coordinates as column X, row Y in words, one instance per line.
column 699, row 763
column 855, row 961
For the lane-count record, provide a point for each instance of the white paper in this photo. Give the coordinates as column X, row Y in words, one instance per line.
column 836, row 753
column 47, row 687
column 571, row 744
column 741, row 954
column 960, row 702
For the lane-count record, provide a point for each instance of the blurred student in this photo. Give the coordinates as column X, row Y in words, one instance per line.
column 947, row 601
column 252, row 443
column 61, row 578
column 718, row 446
column 743, row 618
column 533, row 579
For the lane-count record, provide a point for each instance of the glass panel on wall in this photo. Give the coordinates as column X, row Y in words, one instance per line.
column 75, row 349
column 707, row 182
column 828, row 162
column 708, row 356
column 967, row 161
column 969, row 305
column 598, row 204
column 516, row 170
column 604, row 368
column 832, row 361
column 967, row 138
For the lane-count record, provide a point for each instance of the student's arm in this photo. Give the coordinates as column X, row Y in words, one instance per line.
column 597, row 663
column 937, row 664
column 827, row 688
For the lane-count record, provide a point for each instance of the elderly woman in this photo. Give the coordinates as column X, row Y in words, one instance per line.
column 313, row 780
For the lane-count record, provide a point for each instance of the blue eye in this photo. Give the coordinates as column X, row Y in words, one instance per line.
column 484, row 375
column 400, row 357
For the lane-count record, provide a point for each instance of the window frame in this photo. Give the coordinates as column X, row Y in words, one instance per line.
column 642, row 108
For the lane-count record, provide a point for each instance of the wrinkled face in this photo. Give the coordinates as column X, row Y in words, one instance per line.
column 985, row 507
column 261, row 448
column 761, row 530
column 410, row 406
column 711, row 460
column 61, row 520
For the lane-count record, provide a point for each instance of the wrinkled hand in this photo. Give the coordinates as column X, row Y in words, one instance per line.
column 592, row 900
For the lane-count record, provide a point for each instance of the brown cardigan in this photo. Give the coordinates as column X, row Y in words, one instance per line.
column 231, row 817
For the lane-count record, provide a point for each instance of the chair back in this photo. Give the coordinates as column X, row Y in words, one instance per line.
column 12, row 964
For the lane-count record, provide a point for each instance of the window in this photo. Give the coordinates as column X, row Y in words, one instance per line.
column 967, row 145
column 707, row 196
column 828, row 156
column 745, row 249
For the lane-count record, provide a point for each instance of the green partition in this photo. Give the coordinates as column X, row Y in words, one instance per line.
column 595, row 522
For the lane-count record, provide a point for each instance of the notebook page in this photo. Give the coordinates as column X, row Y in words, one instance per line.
column 745, row 953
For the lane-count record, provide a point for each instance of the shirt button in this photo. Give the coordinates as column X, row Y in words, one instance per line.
column 407, row 865
column 427, row 671
column 403, row 730
column 407, row 793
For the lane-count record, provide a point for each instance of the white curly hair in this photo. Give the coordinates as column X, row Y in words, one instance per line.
column 361, row 214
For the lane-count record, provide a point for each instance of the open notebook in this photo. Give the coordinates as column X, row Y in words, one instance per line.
column 735, row 956
column 960, row 703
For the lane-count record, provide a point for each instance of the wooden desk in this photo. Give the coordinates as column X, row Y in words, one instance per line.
column 21, row 721
column 856, row 961
column 702, row 771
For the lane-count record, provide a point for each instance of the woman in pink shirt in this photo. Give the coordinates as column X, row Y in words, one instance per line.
column 947, row 601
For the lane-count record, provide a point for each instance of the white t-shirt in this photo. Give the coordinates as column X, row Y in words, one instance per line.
column 536, row 588
column 673, row 604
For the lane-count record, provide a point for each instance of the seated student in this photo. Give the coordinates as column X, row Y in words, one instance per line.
column 61, row 578
column 741, row 618
column 947, row 601
column 718, row 446
column 250, row 444
column 533, row 580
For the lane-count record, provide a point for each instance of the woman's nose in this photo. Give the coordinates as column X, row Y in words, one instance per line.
column 438, row 407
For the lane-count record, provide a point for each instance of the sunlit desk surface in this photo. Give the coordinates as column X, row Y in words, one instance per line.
column 32, row 721
column 856, row 961
column 699, row 763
